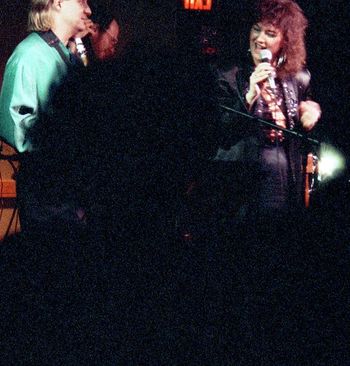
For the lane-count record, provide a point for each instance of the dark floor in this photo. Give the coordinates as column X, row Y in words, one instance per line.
column 260, row 293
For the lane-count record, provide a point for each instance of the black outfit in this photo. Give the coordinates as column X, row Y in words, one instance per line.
column 275, row 180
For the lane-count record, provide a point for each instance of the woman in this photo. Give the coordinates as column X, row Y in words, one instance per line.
column 275, row 88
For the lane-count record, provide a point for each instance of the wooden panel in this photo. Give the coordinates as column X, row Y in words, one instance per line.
column 9, row 220
column 7, row 188
column 8, row 169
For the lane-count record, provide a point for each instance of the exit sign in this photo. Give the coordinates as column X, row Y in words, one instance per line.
column 198, row 4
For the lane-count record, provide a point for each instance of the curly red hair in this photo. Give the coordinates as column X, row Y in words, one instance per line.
column 289, row 18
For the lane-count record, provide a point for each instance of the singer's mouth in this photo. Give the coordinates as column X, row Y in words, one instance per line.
column 259, row 47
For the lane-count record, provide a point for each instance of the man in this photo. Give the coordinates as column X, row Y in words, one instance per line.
column 103, row 35
column 37, row 67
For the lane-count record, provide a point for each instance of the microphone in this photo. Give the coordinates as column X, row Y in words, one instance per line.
column 266, row 56
column 81, row 51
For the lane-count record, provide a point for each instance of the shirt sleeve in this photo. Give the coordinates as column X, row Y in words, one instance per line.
column 19, row 101
column 24, row 106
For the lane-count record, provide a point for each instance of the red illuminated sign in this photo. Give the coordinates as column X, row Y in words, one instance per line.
column 198, row 4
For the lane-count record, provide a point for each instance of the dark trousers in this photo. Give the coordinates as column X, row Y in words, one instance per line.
column 44, row 202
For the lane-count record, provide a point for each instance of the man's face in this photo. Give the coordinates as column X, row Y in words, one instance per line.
column 104, row 41
column 75, row 14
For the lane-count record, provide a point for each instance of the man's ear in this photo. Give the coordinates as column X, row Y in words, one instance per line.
column 56, row 4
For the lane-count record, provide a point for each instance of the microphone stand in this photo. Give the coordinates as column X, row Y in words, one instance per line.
column 293, row 133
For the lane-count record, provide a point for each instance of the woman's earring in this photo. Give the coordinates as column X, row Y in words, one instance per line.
column 281, row 60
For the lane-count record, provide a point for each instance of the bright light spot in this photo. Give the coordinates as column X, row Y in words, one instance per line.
column 331, row 162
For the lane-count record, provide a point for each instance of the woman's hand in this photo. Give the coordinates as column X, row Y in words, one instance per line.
column 261, row 73
column 310, row 113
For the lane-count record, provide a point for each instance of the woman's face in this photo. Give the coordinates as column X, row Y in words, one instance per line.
column 265, row 35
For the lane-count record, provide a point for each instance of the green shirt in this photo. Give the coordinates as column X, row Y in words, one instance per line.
column 32, row 74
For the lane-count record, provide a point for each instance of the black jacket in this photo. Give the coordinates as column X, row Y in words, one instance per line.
column 241, row 138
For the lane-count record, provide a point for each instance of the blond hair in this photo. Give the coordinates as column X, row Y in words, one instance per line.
column 39, row 17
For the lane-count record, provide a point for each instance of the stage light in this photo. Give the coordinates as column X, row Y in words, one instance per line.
column 331, row 162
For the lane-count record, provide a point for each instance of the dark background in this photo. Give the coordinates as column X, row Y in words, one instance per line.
column 160, row 24
column 247, row 301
